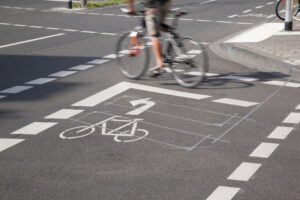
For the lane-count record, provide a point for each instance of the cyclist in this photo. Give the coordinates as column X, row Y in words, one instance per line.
column 155, row 13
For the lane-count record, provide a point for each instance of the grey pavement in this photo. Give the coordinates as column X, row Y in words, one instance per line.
column 277, row 53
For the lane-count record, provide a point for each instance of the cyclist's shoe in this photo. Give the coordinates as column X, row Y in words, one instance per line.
column 157, row 71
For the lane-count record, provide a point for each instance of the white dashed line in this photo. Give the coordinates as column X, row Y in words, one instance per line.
column 111, row 56
column 52, row 28
column 82, row 67
column 63, row 73
column 108, row 33
column 16, row 89
column 88, row 32
column 64, row 114
column 264, row 150
column 280, row 132
column 292, row 118
column 203, row 20
column 40, row 81
column 224, row 193
column 70, row 30
column 244, row 172
column 240, row 78
column 280, row 83
column 6, row 143
column 224, row 22
column 98, row 61
column 19, row 25
column 108, row 14
column 298, row 107
column 270, row 3
column 35, row 27
column 235, row 102
column 258, row 7
column 247, row 11
column 34, row 128
column 232, row 16
column 270, row 16
column 2, row 96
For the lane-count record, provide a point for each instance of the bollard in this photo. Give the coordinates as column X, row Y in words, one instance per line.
column 83, row 3
column 70, row 4
column 288, row 25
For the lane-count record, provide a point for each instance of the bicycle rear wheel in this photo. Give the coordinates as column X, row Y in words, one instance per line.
column 190, row 69
column 280, row 9
column 132, row 55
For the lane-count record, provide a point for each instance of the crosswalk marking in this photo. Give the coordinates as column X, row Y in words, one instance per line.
column 280, row 132
column 64, row 114
column 264, row 150
column 6, row 143
column 224, row 193
column 40, row 81
column 34, row 128
column 292, row 118
column 235, row 102
column 16, row 89
column 244, row 172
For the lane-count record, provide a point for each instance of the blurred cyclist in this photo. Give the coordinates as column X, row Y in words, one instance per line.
column 155, row 13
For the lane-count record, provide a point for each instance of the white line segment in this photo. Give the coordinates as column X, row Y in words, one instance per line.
column 40, row 81
column 34, row 128
column 64, row 114
column 264, row 150
column 280, row 132
column 280, row 83
column 223, row 193
column 235, row 102
column 16, row 89
column 82, row 67
column 98, row 61
column 244, row 172
column 63, row 73
column 6, row 143
column 292, row 118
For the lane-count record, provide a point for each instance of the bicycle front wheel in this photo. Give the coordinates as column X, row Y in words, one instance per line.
column 190, row 65
column 132, row 55
column 280, row 9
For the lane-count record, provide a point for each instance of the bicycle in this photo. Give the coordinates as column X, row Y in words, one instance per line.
column 185, row 57
column 280, row 10
column 117, row 133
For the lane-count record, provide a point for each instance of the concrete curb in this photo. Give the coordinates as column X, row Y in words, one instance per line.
column 253, row 58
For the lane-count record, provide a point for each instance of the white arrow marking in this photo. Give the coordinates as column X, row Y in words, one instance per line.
column 148, row 104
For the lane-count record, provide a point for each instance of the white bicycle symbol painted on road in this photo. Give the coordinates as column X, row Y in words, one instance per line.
column 120, row 134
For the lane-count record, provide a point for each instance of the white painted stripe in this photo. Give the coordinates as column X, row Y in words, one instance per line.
column 292, row 118
column 280, row 83
column 63, row 73
column 280, row 132
column 194, row 51
column 245, row 23
column 19, row 25
column 270, row 3
column 231, row 16
column 6, row 143
column 88, row 32
column 298, row 107
column 235, row 102
column 257, row 34
column 32, row 40
column 108, row 14
column 246, row 11
column 209, row 1
column 270, row 16
column 111, row 56
column 2, row 96
column 223, row 193
column 258, row 7
column 82, row 67
column 108, row 33
column 35, row 27
column 40, row 81
column 288, row 33
column 64, row 114
column 70, row 30
column 123, row 86
column 52, row 28
column 185, row 19
column 93, row 13
column 224, row 22
column 241, row 78
column 244, row 172
column 264, row 150
column 98, row 61
column 34, row 128
column 16, row 89
column 203, row 20
column 6, row 24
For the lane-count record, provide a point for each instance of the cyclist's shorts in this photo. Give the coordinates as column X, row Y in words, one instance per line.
column 155, row 16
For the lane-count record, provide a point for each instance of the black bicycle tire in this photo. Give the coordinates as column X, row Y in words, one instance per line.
column 283, row 18
column 144, row 65
column 276, row 10
column 203, row 67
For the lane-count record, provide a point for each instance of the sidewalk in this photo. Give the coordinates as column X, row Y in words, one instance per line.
column 266, row 47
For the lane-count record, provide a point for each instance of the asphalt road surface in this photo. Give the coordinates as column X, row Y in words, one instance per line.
column 64, row 104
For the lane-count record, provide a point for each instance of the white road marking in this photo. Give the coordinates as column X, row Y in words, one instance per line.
column 280, row 132
column 16, row 89
column 232, row 16
column 6, row 24
column 224, row 193
column 35, row 27
column 34, row 128
column 270, row 3
column 203, row 20
column 224, row 22
column 298, row 107
column 6, row 143
column 108, row 14
column 244, row 172
column 64, row 114
column 98, row 61
column 186, row 19
column 82, row 67
column 52, row 28
column 246, row 11
column 88, row 32
column 40, row 81
column 235, row 102
column 32, row 40
column 108, row 93
column 292, row 118
column 19, row 25
column 110, row 56
column 108, row 33
column 258, row 7
column 270, row 16
column 241, row 78
column 288, row 33
column 264, row 150
column 2, row 96
column 280, row 83
column 209, row 1
column 257, row 34
column 245, row 23
column 70, row 30
column 63, row 73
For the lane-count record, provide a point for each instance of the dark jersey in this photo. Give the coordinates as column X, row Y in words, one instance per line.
column 154, row 3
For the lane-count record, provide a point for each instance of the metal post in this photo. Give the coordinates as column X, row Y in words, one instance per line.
column 70, row 4
column 288, row 26
column 83, row 3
